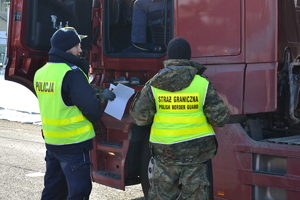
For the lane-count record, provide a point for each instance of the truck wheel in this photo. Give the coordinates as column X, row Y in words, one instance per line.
column 147, row 168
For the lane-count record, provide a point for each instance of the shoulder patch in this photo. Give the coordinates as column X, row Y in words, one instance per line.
column 74, row 67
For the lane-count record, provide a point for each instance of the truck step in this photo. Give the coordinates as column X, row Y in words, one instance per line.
column 293, row 140
column 110, row 146
column 113, row 154
column 107, row 174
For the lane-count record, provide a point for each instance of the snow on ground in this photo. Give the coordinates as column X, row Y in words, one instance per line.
column 17, row 103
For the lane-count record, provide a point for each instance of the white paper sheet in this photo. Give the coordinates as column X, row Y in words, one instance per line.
column 117, row 107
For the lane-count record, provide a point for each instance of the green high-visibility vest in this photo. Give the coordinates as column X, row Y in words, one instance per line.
column 179, row 115
column 61, row 124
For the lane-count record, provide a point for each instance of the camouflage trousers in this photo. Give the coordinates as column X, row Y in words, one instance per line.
column 166, row 177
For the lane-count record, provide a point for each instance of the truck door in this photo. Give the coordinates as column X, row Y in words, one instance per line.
column 31, row 25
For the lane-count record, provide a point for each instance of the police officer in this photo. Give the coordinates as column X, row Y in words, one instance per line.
column 68, row 107
column 183, row 106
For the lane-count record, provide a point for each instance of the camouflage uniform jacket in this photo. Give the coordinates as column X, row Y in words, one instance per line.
column 177, row 75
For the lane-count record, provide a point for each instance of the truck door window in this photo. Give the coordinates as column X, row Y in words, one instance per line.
column 45, row 17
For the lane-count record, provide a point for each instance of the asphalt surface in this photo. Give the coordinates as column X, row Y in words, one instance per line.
column 22, row 166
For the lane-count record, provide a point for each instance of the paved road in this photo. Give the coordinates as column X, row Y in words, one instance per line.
column 22, row 166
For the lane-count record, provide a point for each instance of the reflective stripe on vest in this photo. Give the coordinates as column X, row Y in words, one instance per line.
column 61, row 124
column 179, row 115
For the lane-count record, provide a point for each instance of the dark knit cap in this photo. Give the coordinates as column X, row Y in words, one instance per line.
column 65, row 38
column 179, row 48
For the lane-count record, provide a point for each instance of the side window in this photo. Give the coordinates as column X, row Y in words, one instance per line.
column 45, row 17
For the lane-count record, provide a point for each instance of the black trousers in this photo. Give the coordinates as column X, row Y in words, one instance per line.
column 67, row 176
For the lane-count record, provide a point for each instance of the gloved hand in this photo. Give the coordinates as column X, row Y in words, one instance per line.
column 108, row 94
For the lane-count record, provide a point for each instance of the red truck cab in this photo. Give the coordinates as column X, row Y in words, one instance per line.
column 251, row 51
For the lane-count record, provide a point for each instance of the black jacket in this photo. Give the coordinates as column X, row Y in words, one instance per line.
column 76, row 91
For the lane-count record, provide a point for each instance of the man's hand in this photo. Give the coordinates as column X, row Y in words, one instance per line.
column 108, row 94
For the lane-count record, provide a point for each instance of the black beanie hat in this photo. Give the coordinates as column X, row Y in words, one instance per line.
column 65, row 38
column 179, row 48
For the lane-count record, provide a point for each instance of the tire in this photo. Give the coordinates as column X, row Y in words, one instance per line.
column 145, row 168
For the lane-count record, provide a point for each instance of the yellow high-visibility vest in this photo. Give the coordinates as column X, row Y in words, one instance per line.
column 179, row 115
column 61, row 124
